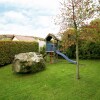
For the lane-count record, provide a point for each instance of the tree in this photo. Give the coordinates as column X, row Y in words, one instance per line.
column 91, row 32
column 68, row 38
column 95, row 29
column 74, row 13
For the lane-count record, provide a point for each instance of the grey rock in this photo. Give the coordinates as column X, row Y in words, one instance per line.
column 28, row 62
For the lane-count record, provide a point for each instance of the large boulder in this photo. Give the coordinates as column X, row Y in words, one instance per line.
column 28, row 62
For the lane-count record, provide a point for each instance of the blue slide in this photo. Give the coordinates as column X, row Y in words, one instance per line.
column 64, row 56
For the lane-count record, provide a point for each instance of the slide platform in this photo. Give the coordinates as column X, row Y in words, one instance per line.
column 64, row 56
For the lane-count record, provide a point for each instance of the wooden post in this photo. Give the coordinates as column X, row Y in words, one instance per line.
column 51, row 57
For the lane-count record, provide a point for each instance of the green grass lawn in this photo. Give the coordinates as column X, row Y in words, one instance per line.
column 57, row 82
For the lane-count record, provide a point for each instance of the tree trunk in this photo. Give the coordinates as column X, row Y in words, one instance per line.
column 77, row 57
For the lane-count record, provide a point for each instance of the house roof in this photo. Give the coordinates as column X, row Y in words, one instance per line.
column 27, row 38
column 50, row 36
column 7, row 36
column 38, row 38
column 10, row 36
column 24, row 38
column 21, row 37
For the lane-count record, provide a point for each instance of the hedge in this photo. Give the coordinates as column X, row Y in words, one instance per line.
column 87, row 50
column 8, row 49
column 70, row 52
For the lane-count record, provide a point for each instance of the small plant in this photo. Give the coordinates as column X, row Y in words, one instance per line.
column 42, row 50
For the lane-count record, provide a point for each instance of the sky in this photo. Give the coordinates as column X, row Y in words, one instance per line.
column 28, row 17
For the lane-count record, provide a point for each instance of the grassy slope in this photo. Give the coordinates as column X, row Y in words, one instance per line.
column 57, row 82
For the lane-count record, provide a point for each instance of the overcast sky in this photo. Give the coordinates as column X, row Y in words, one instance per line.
column 28, row 17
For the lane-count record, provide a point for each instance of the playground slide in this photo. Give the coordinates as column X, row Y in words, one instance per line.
column 64, row 56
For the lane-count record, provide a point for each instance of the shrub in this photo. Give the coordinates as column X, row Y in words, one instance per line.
column 87, row 50
column 83, row 50
column 42, row 50
column 8, row 49
column 71, row 51
column 95, row 50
